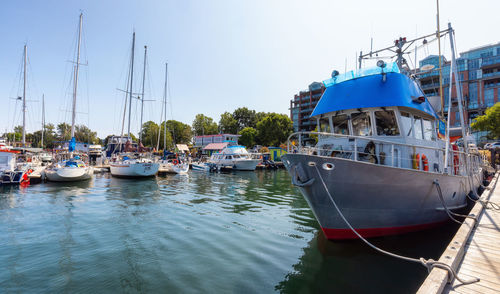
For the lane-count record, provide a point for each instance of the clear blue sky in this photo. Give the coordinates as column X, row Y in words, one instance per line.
column 222, row 54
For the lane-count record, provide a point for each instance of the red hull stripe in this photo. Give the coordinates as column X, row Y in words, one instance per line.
column 340, row 234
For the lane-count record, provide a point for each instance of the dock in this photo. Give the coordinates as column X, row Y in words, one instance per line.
column 474, row 252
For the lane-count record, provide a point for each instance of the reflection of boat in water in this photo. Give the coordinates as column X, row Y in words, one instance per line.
column 378, row 160
column 236, row 157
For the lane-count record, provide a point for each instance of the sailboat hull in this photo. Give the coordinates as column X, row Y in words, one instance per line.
column 69, row 174
column 376, row 200
column 132, row 170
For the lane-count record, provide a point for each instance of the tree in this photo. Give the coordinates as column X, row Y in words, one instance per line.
column 245, row 118
column 63, row 132
column 274, row 129
column 228, row 124
column 204, row 125
column 489, row 122
column 248, row 136
column 84, row 134
column 181, row 133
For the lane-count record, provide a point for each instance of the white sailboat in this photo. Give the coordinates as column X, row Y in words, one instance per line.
column 173, row 165
column 73, row 169
column 127, row 166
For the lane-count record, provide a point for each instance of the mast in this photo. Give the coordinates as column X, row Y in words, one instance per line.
column 142, row 97
column 131, row 84
column 75, row 86
column 24, row 95
column 440, row 68
column 165, row 109
column 43, row 118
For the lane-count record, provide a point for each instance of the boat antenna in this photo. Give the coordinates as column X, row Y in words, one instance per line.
column 438, row 34
column 131, row 84
column 24, row 94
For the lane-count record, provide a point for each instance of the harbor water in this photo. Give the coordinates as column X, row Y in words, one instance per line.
column 245, row 232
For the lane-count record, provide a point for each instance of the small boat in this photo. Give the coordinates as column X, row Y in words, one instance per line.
column 71, row 170
column 236, row 157
column 203, row 166
column 134, row 167
column 10, row 172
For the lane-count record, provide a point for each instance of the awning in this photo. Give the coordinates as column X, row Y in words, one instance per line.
column 182, row 147
column 215, row 146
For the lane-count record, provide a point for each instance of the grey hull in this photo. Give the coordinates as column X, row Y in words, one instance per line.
column 377, row 200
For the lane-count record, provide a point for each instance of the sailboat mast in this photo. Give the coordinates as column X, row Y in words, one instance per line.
column 43, row 118
column 75, row 86
column 142, row 97
column 131, row 84
column 440, row 62
column 165, row 109
column 24, row 95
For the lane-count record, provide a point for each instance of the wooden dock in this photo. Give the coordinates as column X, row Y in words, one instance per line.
column 474, row 252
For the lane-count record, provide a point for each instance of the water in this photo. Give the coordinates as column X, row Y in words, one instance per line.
column 248, row 232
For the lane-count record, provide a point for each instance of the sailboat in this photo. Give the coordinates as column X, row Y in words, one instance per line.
column 133, row 165
column 167, row 164
column 73, row 169
column 378, row 167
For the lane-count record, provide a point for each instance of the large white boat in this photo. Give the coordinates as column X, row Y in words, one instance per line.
column 10, row 171
column 236, row 157
column 134, row 167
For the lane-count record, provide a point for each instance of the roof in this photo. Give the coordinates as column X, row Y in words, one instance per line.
column 371, row 91
column 215, row 146
column 217, row 135
column 182, row 147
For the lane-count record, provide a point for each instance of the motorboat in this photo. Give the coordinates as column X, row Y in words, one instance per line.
column 10, row 171
column 134, row 167
column 376, row 165
column 236, row 157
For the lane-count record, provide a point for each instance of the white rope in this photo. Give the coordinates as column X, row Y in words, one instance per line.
column 428, row 263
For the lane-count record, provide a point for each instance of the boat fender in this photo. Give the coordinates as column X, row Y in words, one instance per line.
column 425, row 162
column 299, row 177
column 456, row 160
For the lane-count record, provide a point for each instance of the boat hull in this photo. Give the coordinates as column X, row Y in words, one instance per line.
column 376, row 200
column 134, row 170
column 69, row 174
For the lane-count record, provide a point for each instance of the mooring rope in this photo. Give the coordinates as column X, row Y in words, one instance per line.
column 428, row 263
column 483, row 202
column 449, row 212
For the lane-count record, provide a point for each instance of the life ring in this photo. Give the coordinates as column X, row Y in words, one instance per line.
column 175, row 162
column 456, row 159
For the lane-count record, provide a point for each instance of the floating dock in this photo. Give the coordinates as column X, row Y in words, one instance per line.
column 474, row 252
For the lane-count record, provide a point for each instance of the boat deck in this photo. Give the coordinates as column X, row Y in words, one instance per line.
column 474, row 252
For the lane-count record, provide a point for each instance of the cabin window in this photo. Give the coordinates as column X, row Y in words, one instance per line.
column 406, row 123
column 324, row 124
column 341, row 124
column 228, row 157
column 417, row 125
column 428, row 130
column 386, row 123
column 361, row 125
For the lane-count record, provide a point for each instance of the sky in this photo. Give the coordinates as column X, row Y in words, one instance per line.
column 221, row 54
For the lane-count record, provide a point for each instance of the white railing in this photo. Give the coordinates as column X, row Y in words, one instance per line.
column 356, row 145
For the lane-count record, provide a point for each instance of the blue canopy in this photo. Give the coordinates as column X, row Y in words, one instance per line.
column 371, row 91
column 72, row 145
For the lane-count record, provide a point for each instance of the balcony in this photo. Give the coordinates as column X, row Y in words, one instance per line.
column 490, row 61
column 492, row 85
column 491, row 75
column 430, row 86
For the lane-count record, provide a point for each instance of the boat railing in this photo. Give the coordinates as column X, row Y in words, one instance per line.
column 382, row 152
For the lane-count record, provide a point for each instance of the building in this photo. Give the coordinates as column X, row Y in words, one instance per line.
column 203, row 141
column 302, row 105
column 479, row 73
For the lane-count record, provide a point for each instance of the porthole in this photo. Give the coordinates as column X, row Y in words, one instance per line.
column 311, row 163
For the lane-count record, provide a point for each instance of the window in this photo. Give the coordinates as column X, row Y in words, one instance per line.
column 361, row 125
column 340, row 124
column 324, row 124
column 428, row 130
column 386, row 123
column 417, row 126
column 406, row 124
column 229, row 157
column 489, row 97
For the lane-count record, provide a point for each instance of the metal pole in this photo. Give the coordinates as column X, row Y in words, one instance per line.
column 165, row 108
column 440, row 62
column 142, row 98
column 43, row 118
column 131, row 84
column 73, row 117
column 24, row 95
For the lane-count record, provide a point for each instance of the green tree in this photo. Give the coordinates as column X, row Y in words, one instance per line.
column 228, row 124
column 84, row 134
column 245, row 118
column 204, row 125
column 63, row 132
column 489, row 122
column 274, row 129
column 248, row 136
column 181, row 133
